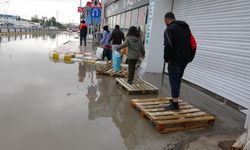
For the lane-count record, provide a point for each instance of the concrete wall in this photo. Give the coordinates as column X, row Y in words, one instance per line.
column 154, row 50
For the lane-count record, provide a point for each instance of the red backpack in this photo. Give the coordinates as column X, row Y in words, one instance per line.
column 193, row 44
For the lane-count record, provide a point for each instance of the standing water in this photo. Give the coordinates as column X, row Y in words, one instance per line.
column 50, row 106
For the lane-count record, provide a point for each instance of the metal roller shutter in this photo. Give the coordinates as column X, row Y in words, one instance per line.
column 222, row 30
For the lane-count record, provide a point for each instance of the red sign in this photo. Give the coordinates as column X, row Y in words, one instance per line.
column 94, row 4
column 80, row 9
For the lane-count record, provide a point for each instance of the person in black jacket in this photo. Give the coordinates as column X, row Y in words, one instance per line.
column 83, row 32
column 117, row 36
column 177, row 53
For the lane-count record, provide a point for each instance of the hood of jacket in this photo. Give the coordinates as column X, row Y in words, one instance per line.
column 181, row 23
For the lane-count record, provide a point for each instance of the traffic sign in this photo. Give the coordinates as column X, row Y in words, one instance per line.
column 95, row 12
column 95, row 4
column 80, row 9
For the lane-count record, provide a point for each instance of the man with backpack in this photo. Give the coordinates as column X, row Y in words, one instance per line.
column 179, row 50
column 83, row 32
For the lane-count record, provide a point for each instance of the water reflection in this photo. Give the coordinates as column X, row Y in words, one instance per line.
column 45, row 36
column 92, row 91
column 83, row 108
column 82, row 72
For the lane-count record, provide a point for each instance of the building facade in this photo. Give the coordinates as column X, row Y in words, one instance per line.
column 222, row 31
column 125, row 13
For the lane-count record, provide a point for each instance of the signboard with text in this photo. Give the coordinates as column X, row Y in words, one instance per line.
column 95, row 12
column 80, row 9
column 95, row 4
column 150, row 22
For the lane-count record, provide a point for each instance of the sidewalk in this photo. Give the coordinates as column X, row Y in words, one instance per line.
column 139, row 134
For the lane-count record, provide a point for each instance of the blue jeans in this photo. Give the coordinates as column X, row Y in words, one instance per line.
column 175, row 73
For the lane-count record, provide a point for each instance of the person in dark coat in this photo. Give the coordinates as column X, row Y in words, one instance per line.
column 83, row 32
column 177, row 53
column 117, row 37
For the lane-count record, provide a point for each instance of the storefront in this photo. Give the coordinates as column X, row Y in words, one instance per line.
column 126, row 13
column 221, row 28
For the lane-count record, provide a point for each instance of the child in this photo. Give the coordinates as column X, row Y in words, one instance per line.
column 135, row 51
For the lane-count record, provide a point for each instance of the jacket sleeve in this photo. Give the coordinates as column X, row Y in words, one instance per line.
column 103, row 38
column 111, row 37
column 123, row 37
column 168, row 44
column 124, row 44
column 142, row 49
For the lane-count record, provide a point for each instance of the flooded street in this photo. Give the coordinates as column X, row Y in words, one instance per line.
column 44, row 106
column 56, row 106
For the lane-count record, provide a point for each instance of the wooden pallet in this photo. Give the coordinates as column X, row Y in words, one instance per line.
column 187, row 118
column 139, row 86
column 109, row 71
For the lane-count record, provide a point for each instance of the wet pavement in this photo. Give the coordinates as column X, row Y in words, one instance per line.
column 56, row 106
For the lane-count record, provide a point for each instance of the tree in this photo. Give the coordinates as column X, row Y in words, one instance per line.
column 18, row 18
column 47, row 23
column 35, row 18
column 53, row 21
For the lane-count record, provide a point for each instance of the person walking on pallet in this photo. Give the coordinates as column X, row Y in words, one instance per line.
column 135, row 50
column 179, row 50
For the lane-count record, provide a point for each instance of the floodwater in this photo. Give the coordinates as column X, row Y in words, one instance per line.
column 49, row 106
column 55, row 106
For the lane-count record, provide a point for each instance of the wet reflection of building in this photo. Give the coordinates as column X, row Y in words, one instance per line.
column 92, row 91
column 52, row 36
column 114, row 103
column 86, row 75
column 81, row 72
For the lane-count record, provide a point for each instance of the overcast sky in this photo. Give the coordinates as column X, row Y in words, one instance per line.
column 67, row 9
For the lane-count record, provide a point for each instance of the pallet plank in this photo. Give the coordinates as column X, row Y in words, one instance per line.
column 109, row 71
column 189, row 115
column 139, row 87
column 162, row 109
column 187, row 118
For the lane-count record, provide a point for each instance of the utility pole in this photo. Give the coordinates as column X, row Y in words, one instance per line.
column 57, row 16
column 80, row 12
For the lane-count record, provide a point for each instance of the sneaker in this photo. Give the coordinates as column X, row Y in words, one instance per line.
column 174, row 106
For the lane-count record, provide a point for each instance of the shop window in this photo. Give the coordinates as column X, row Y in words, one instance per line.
column 123, row 18
column 142, row 17
column 134, row 20
column 114, row 22
column 111, row 22
column 118, row 20
column 128, row 19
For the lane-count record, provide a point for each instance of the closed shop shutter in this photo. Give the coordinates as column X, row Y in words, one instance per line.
column 222, row 30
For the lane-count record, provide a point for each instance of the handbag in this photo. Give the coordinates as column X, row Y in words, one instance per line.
column 99, row 53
